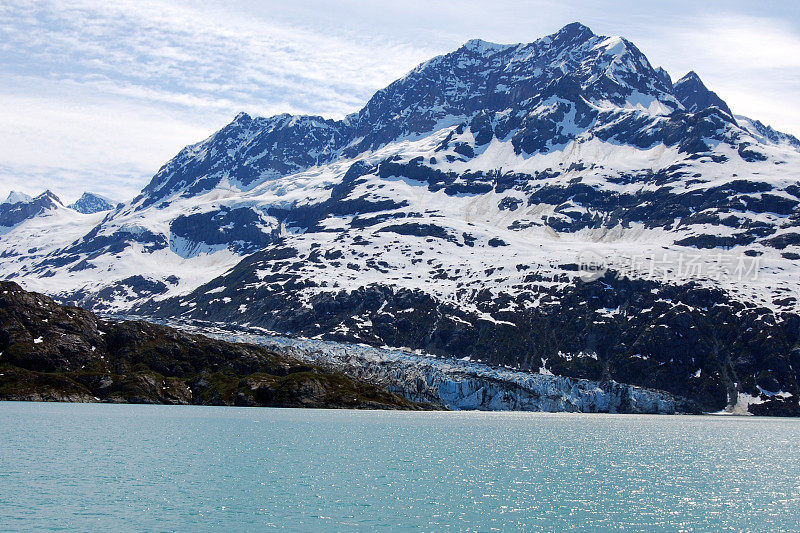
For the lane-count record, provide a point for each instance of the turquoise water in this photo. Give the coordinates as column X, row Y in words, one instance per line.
column 128, row 467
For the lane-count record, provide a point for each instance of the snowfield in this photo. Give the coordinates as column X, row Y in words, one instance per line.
column 518, row 204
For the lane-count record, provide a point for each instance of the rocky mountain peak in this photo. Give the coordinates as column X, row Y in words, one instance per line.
column 576, row 70
column 49, row 197
column 15, row 197
column 690, row 77
column 695, row 96
column 92, row 203
column 574, row 31
column 486, row 77
column 481, row 46
column 541, row 95
column 13, row 213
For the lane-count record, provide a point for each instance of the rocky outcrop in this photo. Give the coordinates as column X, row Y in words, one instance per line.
column 453, row 214
column 90, row 203
column 19, row 208
column 693, row 342
column 50, row 352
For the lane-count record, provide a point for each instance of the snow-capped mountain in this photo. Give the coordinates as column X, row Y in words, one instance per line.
column 16, row 197
column 20, row 207
column 454, row 214
column 767, row 135
column 33, row 230
column 695, row 96
column 90, row 203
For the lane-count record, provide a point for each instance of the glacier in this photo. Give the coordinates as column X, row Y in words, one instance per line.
column 452, row 214
column 457, row 384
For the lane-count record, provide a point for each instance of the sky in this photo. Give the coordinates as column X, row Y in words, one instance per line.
column 97, row 95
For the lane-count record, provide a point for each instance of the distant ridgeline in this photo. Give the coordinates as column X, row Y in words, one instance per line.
column 457, row 213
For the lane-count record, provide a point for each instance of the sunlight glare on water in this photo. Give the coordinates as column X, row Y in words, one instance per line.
column 91, row 466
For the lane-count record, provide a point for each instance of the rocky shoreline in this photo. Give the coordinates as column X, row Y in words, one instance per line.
column 50, row 352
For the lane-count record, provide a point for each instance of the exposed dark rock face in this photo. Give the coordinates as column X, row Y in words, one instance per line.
column 50, row 352
column 695, row 96
column 690, row 341
column 240, row 229
column 13, row 213
column 91, row 203
column 450, row 213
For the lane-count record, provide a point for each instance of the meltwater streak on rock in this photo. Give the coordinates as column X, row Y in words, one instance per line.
column 467, row 385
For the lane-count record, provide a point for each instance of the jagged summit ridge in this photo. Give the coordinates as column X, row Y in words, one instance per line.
column 482, row 46
column 451, row 212
column 695, row 96
column 16, row 197
column 767, row 134
column 572, row 64
column 90, row 203
column 575, row 66
column 20, row 207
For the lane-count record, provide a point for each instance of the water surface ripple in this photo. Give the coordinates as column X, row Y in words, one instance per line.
column 131, row 467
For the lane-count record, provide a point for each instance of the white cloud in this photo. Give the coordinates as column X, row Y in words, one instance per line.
column 98, row 95
column 753, row 63
column 745, row 42
column 211, row 55
column 69, row 145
